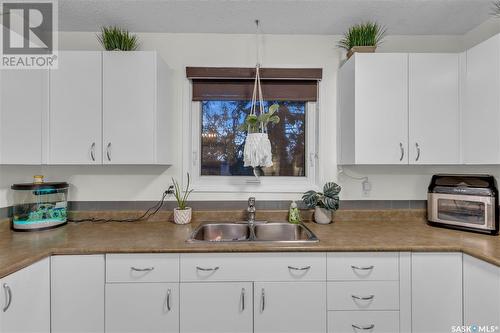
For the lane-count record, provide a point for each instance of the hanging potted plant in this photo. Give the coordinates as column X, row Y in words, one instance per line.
column 182, row 214
column 363, row 37
column 257, row 150
column 325, row 203
column 117, row 39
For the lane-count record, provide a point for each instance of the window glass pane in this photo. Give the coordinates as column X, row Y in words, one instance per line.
column 223, row 139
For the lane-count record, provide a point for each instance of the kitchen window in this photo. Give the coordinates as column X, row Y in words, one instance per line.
column 218, row 111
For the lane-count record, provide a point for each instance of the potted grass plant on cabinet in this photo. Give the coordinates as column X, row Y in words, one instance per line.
column 363, row 37
column 182, row 213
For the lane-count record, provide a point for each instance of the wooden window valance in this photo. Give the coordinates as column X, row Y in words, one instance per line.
column 230, row 83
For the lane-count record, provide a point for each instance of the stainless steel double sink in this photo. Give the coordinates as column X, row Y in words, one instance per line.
column 279, row 232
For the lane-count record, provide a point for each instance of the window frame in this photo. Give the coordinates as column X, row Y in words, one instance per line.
column 246, row 184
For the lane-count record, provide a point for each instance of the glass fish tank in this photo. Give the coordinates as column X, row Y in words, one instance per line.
column 39, row 205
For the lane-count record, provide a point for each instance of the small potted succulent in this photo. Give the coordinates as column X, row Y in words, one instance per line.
column 325, row 203
column 117, row 39
column 363, row 37
column 182, row 214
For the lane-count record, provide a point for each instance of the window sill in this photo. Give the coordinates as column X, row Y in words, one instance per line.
column 253, row 185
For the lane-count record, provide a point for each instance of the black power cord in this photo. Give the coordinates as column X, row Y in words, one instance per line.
column 149, row 213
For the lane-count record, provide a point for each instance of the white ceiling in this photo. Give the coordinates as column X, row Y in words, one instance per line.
column 401, row 17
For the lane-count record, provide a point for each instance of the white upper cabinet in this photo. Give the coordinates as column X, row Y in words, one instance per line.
column 434, row 110
column 481, row 112
column 75, row 109
column 23, row 107
column 27, row 300
column 373, row 109
column 134, row 107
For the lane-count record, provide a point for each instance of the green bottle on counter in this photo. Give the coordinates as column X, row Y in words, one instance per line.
column 294, row 214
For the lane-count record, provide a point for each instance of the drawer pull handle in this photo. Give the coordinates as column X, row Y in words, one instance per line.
column 262, row 300
column 167, row 301
column 243, row 299
column 147, row 269
column 216, row 268
column 305, row 268
column 92, row 152
column 363, row 298
column 363, row 268
column 364, row 328
column 8, row 297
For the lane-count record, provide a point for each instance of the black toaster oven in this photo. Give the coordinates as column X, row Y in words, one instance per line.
column 468, row 202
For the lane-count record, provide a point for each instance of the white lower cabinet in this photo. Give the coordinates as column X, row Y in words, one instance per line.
column 216, row 307
column 436, row 292
column 77, row 294
column 363, row 321
column 142, row 307
column 481, row 293
column 291, row 307
column 27, row 300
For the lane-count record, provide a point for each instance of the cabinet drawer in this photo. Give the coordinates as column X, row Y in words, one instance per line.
column 363, row 295
column 367, row 321
column 142, row 268
column 253, row 267
column 363, row 266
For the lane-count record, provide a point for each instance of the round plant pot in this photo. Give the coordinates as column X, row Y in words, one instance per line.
column 182, row 216
column 322, row 215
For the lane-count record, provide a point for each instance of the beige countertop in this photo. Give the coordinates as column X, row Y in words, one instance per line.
column 352, row 231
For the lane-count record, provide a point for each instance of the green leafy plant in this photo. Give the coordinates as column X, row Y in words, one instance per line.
column 363, row 34
column 253, row 122
column 329, row 199
column 114, row 38
column 179, row 195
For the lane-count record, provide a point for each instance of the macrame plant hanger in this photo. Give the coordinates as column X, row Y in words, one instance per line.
column 257, row 151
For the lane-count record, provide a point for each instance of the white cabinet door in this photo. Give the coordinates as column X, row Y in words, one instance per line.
column 218, row 307
column 129, row 103
column 291, row 307
column 481, row 293
column 77, row 294
column 142, row 307
column 381, row 108
column 27, row 297
column 23, row 107
column 481, row 113
column 436, row 292
column 434, row 124
column 75, row 109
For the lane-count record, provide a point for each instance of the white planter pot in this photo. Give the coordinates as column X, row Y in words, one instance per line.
column 322, row 215
column 257, row 150
column 182, row 216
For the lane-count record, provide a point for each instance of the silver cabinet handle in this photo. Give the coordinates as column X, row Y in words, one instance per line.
column 402, row 151
column 363, row 298
column 362, row 268
column 167, row 300
column 364, row 328
column 108, row 151
column 418, row 151
column 8, row 297
column 242, row 298
column 262, row 300
column 216, row 268
column 305, row 268
column 147, row 269
column 92, row 151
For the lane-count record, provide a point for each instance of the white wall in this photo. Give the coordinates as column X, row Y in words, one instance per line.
column 180, row 50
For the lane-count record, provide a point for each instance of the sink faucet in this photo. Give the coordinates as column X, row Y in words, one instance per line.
column 251, row 211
